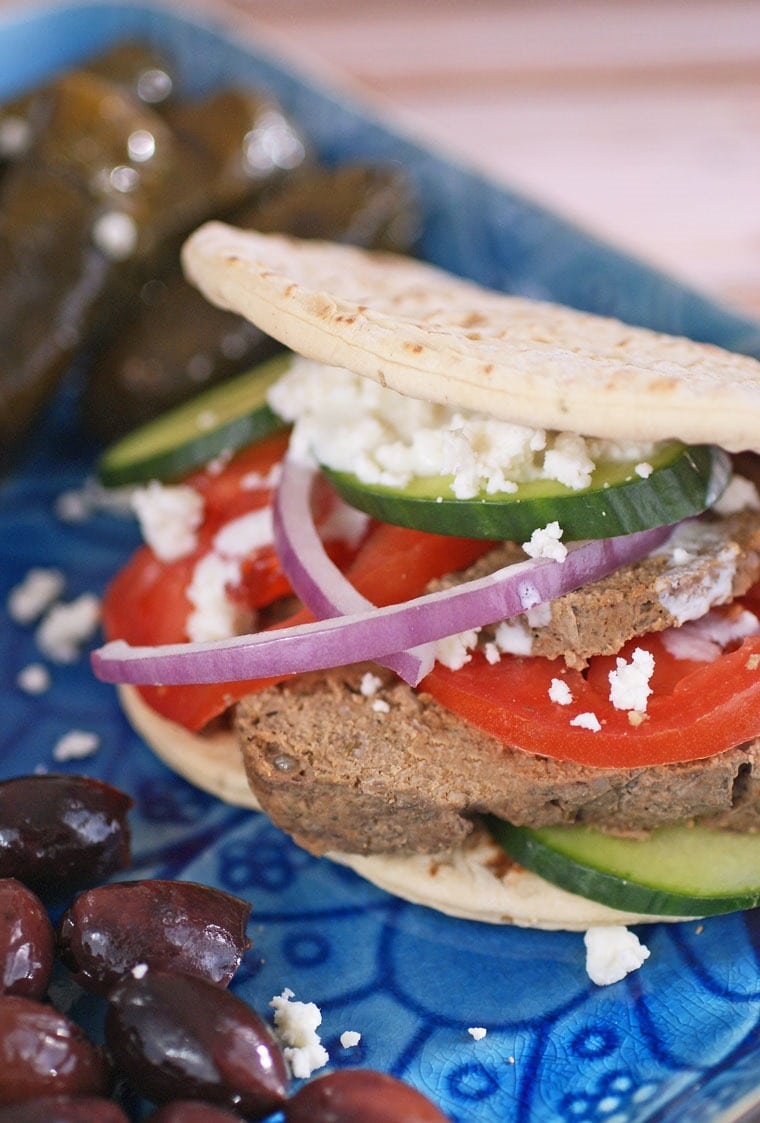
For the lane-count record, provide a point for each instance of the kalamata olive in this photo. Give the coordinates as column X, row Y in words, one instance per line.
column 354, row 1093
column 173, row 925
column 64, row 1109
column 176, row 1036
column 190, row 1111
column 61, row 833
column 27, row 943
column 43, row 1053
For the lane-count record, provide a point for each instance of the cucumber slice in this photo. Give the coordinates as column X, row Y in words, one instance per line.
column 675, row 871
column 684, row 481
column 225, row 418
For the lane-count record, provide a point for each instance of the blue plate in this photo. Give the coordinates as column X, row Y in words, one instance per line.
column 678, row 1040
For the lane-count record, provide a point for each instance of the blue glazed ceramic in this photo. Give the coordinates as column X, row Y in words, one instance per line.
column 678, row 1040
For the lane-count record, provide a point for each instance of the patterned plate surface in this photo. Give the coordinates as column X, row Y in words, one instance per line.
column 678, row 1040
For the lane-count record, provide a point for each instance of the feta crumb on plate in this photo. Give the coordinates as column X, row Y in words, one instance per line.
column 67, row 627
column 350, row 1038
column 296, row 1026
column 33, row 679
column 612, row 952
column 477, row 1032
column 40, row 588
column 76, row 745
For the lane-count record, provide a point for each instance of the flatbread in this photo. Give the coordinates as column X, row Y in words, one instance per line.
column 436, row 337
column 473, row 882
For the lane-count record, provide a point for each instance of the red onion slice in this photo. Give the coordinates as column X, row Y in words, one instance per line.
column 369, row 633
column 314, row 577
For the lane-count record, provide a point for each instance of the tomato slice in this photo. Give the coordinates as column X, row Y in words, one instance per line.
column 696, row 709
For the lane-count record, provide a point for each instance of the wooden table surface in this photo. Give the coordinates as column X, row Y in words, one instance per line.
column 640, row 120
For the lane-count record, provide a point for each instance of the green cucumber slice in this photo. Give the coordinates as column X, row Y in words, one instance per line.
column 684, row 481
column 674, row 871
column 225, row 418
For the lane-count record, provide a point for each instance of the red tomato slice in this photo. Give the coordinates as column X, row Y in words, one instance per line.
column 696, row 710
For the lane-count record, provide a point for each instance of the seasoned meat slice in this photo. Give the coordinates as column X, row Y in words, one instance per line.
column 341, row 770
column 709, row 561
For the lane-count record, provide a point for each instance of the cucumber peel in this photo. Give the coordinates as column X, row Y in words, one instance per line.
column 674, row 871
column 684, row 481
column 224, row 418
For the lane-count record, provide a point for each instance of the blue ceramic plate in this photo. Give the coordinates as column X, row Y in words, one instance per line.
column 678, row 1040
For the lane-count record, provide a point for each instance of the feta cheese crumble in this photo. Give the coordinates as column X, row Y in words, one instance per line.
column 560, row 692
column 545, row 543
column 169, row 517
column 349, row 1039
column 588, row 721
column 740, row 495
column 629, row 682
column 612, row 952
column 296, row 1026
column 76, row 745
column 477, row 1033
column 33, row 679
column 39, row 589
column 66, row 628
column 352, row 424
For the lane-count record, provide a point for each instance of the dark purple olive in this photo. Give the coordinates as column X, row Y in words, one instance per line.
column 354, row 1094
column 64, row 1109
column 190, row 1111
column 61, row 833
column 171, row 925
column 27, row 943
column 43, row 1053
column 177, row 1036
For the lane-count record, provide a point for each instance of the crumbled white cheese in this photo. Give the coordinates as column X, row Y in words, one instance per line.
column 370, row 684
column 740, row 495
column 588, row 721
column 66, row 628
column 349, row 1039
column 39, row 589
column 33, row 679
column 215, row 615
column 612, row 952
column 139, row 971
column 545, row 543
column 629, row 682
column 568, row 462
column 492, row 653
column 644, row 470
column 353, row 424
column 76, row 745
column 454, row 651
column 560, row 692
column 380, row 706
column 252, row 481
column 245, row 534
column 477, row 1033
column 169, row 517
column 511, row 637
column 296, row 1026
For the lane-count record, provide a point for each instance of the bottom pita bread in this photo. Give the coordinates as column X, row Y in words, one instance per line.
column 474, row 882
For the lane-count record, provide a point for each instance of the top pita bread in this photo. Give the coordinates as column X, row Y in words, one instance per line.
column 434, row 336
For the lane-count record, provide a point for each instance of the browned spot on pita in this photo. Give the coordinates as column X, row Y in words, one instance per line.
column 415, row 348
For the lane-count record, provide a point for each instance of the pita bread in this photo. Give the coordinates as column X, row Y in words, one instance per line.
column 433, row 336
column 473, row 882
